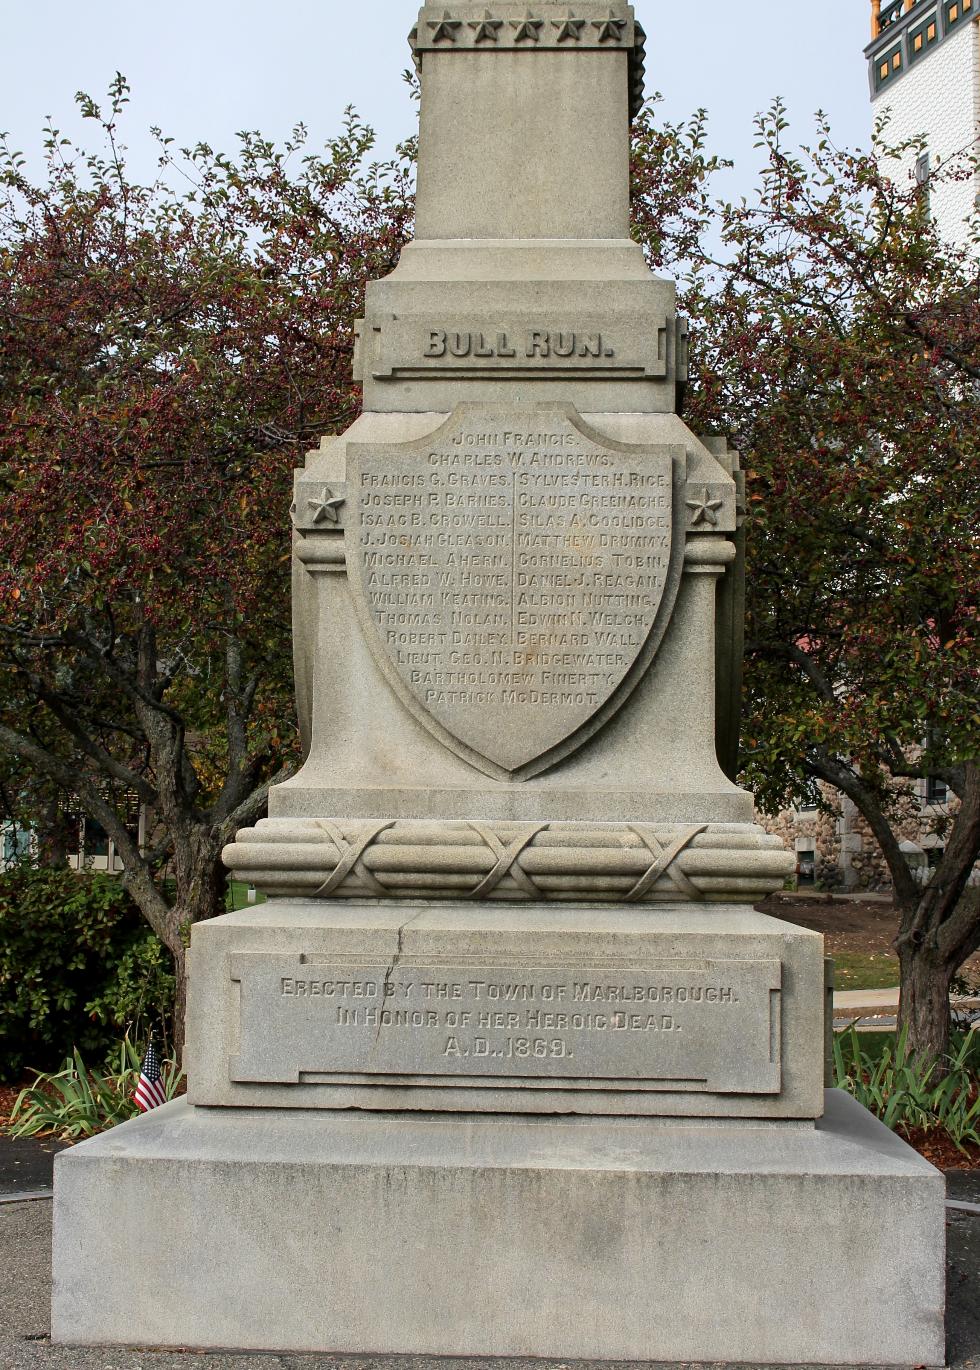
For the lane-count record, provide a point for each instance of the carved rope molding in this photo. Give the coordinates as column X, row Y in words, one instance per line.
column 481, row 860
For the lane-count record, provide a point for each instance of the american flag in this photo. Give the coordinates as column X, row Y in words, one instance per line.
column 150, row 1091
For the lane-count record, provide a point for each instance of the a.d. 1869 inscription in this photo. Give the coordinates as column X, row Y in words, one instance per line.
column 513, row 571
column 700, row 1025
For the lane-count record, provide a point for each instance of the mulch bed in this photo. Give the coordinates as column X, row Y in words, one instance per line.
column 8, row 1097
column 937, row 1148
column 865, row 926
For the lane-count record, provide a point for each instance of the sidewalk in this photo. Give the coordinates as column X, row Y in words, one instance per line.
column 865, row 1000
column 880, row 1003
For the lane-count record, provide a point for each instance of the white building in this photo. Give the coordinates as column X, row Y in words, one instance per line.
column 924, row 69
column 89, row 848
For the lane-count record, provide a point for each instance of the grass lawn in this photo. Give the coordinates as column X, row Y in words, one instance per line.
column 238, row 896
column 865, row 970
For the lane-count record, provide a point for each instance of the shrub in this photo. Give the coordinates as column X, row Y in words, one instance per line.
column 78, row 967
column 905, row 1092
column 75, row 1102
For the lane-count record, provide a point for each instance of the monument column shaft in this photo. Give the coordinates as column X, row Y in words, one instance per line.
column 566, row 130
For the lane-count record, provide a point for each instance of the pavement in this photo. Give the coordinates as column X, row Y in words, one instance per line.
column 26, row 1165
column 865, row 1000
column 839, row 896
column 25, row 1288
column 883, row 1000
column 878, row 1009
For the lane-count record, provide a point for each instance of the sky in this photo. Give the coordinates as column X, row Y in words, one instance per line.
column 203, row 69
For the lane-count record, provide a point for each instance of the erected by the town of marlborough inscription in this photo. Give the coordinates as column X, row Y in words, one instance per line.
column 511, row 571
column 711, row 1025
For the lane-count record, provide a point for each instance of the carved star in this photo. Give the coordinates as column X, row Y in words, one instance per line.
column 704, row 509
column 485, row 29
column 526, row 27
column 568, row 28
column 444, row 28
column 324, row 509
column 611, row 27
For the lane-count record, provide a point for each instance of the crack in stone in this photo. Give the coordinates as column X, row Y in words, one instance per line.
column 386, row 983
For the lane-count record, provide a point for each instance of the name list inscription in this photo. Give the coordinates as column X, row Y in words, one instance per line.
column 705, row 1025
column 514, row 569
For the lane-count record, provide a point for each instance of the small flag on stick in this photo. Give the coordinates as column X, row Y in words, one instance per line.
column 150, row 1092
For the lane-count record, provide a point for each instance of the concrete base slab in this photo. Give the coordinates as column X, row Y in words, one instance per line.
column 619, row 1239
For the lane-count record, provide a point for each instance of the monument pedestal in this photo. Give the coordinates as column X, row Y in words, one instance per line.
column 610, row 1239
column 709, row 1010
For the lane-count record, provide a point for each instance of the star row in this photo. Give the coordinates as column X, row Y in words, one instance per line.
column 528, row 29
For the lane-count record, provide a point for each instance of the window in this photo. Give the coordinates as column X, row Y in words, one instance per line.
column 934, row 856
column 96, row 839
column 937, row 791
column 73, row 833
column 922, row 181
column 132, row 814
column 887, row 65
column 16, row 844
column 923, row 36
column 955, row 10
column 806, row 866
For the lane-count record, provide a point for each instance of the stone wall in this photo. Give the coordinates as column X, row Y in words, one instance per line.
column 846, row 854
column 805, row 830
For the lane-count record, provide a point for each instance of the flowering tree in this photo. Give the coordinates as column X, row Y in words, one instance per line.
column 837, row 339
column 169, row 352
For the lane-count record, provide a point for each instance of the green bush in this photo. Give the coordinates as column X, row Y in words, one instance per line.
column 75, row 1102
column 78, row 968
column 905, row 1092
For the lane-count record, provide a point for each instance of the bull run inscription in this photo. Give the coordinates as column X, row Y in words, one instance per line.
column 512, row 573
column 666, row 1026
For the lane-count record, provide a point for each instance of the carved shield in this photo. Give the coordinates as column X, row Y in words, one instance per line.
column 514, row 573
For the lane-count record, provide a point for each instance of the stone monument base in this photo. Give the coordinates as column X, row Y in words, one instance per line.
column 625, row 1239
column 701, row 1010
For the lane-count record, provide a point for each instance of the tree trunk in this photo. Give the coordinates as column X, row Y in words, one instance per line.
column 56, row 830
column 924, row 1001
column 937, row 929
column 202, row 887
column 177, row 1022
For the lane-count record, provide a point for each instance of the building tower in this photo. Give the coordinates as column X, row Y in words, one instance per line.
column 924, row 70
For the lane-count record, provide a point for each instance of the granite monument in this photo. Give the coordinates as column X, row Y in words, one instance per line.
column 508, row 1064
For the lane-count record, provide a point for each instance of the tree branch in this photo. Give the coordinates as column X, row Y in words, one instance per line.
column 828, row 768
column 251, row 808
column 136, row 877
